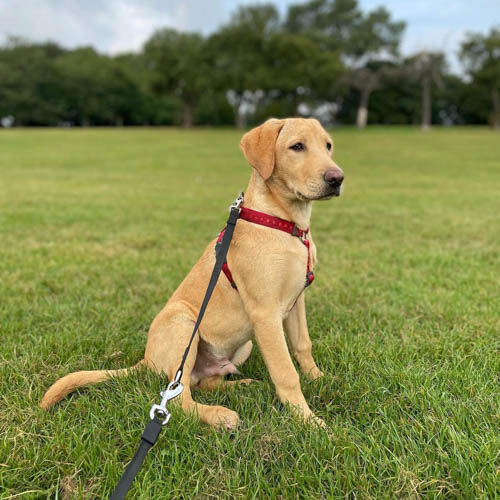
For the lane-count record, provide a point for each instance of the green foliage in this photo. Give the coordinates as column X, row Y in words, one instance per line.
column 179, row 66
column 341, row 25
column 321, row 53
column 298, row 62
column 98, row 228
column 30, row 83
column 395, row 104
column 481, row 54
column 239, row 52
column 43, row 84
column 214, row 109
column 96, row 90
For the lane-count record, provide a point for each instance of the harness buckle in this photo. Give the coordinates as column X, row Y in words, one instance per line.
column 172, row 391
column 295, row 230
column 237, row 202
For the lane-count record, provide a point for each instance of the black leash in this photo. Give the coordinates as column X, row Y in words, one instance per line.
column 159, row 413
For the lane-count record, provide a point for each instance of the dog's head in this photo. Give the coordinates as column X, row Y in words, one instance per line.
column 295, row 156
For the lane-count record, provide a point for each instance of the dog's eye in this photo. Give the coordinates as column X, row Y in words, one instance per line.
column 298, row 147
column 328, row 146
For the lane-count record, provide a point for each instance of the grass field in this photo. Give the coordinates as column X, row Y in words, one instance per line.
column 98, row 227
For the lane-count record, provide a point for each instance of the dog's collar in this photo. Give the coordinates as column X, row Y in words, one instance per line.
column 273, row 222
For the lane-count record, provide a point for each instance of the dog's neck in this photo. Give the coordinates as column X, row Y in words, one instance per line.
column 267, row 197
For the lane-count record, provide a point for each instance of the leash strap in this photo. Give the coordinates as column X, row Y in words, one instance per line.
column 159, row 413
column 148, row 439
column 220, row 258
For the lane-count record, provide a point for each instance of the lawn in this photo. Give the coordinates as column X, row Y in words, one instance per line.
column 98, row 227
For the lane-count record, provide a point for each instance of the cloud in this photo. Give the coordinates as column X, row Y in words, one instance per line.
column 110, row 26
column 115, row 26
column 439, row 25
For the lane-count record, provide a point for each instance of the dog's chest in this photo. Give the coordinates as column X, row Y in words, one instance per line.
column 269, row 267
column 293, row 261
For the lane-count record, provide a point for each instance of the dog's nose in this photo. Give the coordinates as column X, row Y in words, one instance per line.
column 333, row 176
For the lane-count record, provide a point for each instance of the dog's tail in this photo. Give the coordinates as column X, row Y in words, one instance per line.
column 73, row 381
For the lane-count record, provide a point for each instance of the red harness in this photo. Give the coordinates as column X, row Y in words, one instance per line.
column 263, row 219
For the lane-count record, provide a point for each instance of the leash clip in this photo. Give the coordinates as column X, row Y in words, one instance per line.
column 171, row 392
column 237, row 203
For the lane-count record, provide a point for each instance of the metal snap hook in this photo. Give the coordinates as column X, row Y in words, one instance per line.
column 172, row 391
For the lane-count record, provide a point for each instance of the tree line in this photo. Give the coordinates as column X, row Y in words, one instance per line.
column 325, row 58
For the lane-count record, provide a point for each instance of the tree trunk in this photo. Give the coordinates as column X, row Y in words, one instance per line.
column 239, row 117
column 426, row 102
column 362, row 116
column 187, row 116
column 495, row 98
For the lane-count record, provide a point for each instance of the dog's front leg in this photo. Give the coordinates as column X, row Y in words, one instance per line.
column 298, row 335
column 270, row 337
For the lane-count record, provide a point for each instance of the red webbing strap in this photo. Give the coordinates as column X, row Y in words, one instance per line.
column 225, row 267
column 309, row 273
column 271, row 221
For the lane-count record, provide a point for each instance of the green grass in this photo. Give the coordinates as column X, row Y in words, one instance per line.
column 98, row 227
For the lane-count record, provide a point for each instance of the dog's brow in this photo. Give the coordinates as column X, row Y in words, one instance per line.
column 295, row 139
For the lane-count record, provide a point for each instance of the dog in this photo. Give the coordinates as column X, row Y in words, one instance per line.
column 263, row 295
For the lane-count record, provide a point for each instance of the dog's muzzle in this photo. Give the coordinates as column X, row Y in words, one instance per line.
column 333, row 178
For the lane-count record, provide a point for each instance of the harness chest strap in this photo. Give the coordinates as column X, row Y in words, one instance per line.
column 272, row 222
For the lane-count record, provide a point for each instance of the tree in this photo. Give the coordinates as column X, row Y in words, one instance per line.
column 368, row 79
column 427, row 68
column 179, row 66
column 30, row 83
column 239, row 56
column 146, row 107
column 341, row 25
column 300, row 72
column 95, row 90
column 481, row 57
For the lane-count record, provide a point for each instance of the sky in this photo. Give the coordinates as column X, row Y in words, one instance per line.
column 114, row 26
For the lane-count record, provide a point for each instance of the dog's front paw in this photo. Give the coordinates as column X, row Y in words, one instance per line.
column 223, row 418
column 314, row 373
column 314, row 420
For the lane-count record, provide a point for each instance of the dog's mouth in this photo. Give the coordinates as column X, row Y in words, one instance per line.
column 332, row 193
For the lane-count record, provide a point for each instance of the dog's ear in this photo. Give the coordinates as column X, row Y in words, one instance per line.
column 258, row 146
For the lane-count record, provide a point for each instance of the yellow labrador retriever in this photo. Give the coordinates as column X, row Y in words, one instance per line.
column 262, row 293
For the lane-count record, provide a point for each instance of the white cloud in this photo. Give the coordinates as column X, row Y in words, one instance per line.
column 111, row 25
column 439, row 24
column 124, row 25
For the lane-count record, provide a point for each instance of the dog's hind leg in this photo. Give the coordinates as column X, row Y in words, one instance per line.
column 242, row 353
column 167, row 340
column 217, row 382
